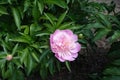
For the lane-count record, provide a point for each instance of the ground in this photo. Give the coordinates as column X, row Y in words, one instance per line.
column 83, row 68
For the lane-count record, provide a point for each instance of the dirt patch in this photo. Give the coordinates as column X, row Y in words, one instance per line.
column 89, row 63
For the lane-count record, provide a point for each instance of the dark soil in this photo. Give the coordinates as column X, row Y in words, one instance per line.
column 89, row 64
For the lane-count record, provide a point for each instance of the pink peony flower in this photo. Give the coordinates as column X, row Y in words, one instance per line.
column 64, row 44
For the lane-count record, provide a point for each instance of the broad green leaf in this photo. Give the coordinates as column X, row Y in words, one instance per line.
column 4, row 48
column 44, row 46
column 101, row 33
column 20, row 39
column 26, row 5
column 24, row 55
column 7, row 38
column 115, row 19
column 61, row 18
column 34, row 29
column 115, row 36
column 44, row 54
column 111, row 78
column 14, row 49
column 43, row 72
column 35, row 13
column 66, row 25
column 27, row 30
column 27, row 37
column 16, row 16
column 105, row 20
column 5, row 45
column 3, row 2
column 58, row 65
column 68, row 65
column 49, row 62
column 41, row 6
column 94, row 25
column 60, row 3
column 112, row 71
column 3, row 10
column 51, row 67
column 49, row 27
column 35, row 56
column 18, row 63
column 114, row 54
column 30, row 64
column 116, row 62
column 3, row 55
column 43, row 34
column 51, row 18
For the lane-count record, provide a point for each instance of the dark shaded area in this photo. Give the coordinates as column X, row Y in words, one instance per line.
column 89, row 64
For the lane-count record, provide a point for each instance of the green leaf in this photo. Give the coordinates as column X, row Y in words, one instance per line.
column 66, row 25
column 115, row 36
column 61, row 18
column 24, row 55
column 94, row 25
column 111, row 78
column 17, row 62
column 101, row 33
column 115, row 19
column 104, row 20
column 112, row 71
column 51, row 68
column 30, row 64
column 43, row 72
column 49, row 27
column 51, row 18
column 14, row 49
column 68, row 65
column 41, row 6
column 2, row 55
column 43, row 34
column 26, row 31
column 20, row 39
column 44, row 54
column 16, row 16
column 58, row 65
column 26, row 5
column 60, row 3
column 114, row 54
column 116, row 62
column 35, row 13
column 3, row 10
column 5, row 50
column 35, row 56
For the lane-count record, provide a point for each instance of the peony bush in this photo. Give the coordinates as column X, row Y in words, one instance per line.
column 42, row 36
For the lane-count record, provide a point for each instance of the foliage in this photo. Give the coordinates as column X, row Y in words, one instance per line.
column 25, row 27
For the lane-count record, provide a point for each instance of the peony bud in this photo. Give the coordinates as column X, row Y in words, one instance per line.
column 9, row 57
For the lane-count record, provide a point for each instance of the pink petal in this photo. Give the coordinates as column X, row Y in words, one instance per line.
column 75, row 55
column 59, row 58
column 75, row 47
